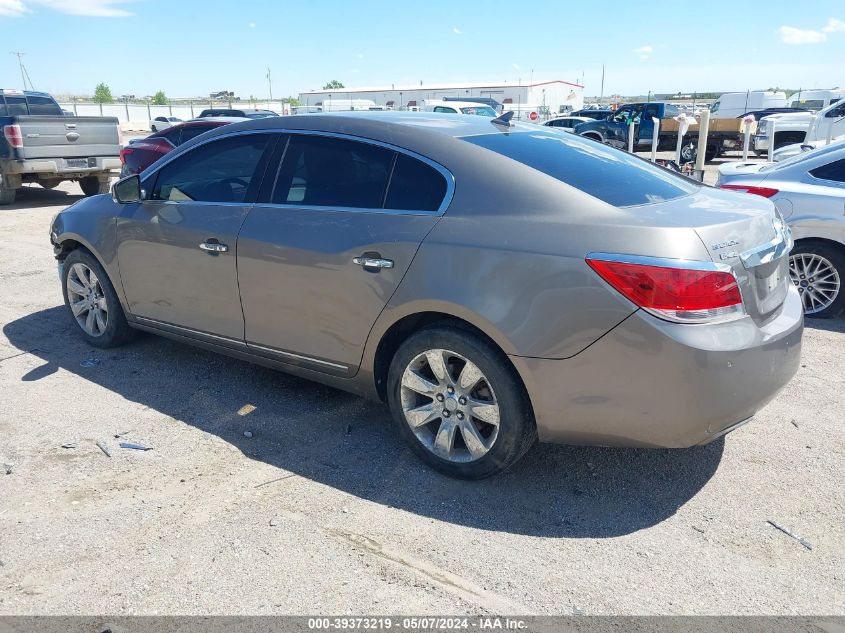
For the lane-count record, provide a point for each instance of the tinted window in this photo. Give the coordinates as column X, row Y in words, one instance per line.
column 16, row 106
column 415, row 186
column 605, row 173
column 831, row 171
column 446, row 110
column 219, row 171
column 2, row 107
column 173, row 135
column 194, row 131
column 43, row 106
column 332, row 172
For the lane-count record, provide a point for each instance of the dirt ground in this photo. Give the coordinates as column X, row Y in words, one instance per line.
column 323, row 509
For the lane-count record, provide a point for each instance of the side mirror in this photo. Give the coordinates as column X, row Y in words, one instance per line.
column 127, row 190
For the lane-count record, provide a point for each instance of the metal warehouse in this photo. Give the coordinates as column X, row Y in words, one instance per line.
column 556, row 95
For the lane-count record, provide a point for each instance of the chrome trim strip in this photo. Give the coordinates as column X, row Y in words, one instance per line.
column 450, row 178
column 644, row 260
column 241, row 343
column 291, row 355
column 156, row 322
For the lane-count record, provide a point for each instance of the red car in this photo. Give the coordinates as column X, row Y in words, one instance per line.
column 140, row 154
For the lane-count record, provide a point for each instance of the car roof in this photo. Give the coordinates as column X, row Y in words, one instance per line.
column 459, row 104
column 383, row 124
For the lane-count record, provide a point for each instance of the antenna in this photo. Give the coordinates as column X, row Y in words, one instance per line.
column 504, row 119
column 24, row 74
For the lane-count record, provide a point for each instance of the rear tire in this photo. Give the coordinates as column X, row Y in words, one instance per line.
column 818, row 270
column 7, row 194
column 81, row 289
column 92, row 185
column 469, row 424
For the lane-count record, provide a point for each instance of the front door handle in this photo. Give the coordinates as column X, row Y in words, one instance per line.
column 214, row 247
column 372, row 262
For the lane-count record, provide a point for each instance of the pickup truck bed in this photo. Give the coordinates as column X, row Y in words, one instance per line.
column 49, row 149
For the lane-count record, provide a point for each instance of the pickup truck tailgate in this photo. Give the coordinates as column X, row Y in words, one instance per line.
column 68, row 137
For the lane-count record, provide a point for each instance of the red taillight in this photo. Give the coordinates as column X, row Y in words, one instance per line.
column 13, row 135
column 124, row 153
column 766, row 192
column 686, row 292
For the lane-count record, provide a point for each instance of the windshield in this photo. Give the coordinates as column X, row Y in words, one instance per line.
column 481, row 110
column 603, row 172
column 810, row 104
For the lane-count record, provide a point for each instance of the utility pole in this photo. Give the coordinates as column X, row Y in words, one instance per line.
column 270, row 84
column 601, row 97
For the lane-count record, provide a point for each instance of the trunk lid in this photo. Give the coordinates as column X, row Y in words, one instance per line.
column 68, row 137
column 754, row 241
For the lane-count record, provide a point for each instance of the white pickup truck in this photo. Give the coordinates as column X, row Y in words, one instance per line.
column 40, row 144
column 802, row 127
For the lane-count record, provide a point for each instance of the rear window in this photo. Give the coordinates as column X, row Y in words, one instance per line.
column 43, row 106
column 608, row 174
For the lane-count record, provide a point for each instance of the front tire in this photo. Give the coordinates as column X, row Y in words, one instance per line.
column 459, row 403
column 818, row 270
column 92, row 185
column 92, row 301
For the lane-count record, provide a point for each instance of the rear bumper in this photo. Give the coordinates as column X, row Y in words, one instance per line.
column 658, row 384
column 60, row 166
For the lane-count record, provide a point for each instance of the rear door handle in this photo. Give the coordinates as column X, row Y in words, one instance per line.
column 214, row 247
column 372, row 262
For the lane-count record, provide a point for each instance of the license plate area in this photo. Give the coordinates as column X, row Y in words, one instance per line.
column 81, row 163
column 771, row 284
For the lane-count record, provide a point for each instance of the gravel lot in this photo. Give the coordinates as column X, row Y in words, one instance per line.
column 324, row 510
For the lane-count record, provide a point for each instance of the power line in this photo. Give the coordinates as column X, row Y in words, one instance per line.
column 24, row 73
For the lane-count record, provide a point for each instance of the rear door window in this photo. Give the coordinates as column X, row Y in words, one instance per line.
column 16, row 106
column 332, row 172
column 225, row 170
column 603, row 172
column 415, row 186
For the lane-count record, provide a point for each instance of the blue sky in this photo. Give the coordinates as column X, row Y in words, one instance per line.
column 190, row 48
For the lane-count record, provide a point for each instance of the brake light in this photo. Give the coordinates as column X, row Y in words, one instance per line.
column 766, row 192
column 124, row 153
column 13, row 135
column 675, row 290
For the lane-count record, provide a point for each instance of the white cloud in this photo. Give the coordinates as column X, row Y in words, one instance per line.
column 644, row 51
column 834, row 26
column 515, row 66
column 96, row 8
column 457, row 31
column 360, row 56
column 252, row 25
column 12, row 8
column 792, row 35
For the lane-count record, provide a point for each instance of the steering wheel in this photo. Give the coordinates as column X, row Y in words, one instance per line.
column 234, row 180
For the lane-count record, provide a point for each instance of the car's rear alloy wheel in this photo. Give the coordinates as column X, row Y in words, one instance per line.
column 87, row 300
column 450, row 405
column 459, row 403
column 819, row 281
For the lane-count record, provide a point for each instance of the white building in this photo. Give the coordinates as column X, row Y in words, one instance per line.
column 549, row 97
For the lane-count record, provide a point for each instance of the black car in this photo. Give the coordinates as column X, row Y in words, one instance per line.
column 237, row 112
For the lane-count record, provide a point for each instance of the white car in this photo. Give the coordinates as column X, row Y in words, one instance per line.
column 567, row 123
column 460, row 107
column 788, row 151
column 163, row 122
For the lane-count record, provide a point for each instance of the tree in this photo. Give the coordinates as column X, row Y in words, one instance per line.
column 102, row 94
column 293, row 101
column 159, row 98
column 334, row 84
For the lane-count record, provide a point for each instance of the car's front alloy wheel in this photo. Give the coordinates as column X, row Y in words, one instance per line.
column 86, row 300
